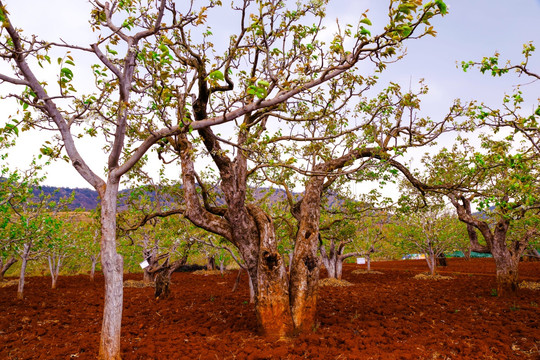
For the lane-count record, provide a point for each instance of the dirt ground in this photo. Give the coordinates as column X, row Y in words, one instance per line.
column 382, row 316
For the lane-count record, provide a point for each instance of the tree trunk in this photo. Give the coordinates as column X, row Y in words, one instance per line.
column 306, row 265
column 368, row 261
column 237, row 282
column 272, row 296
column 210, row 263
column 339, row 268
column 251, row 290
column 247, row 227
column 55, row 261
column 5, row 267
column 163, row 281
column 507, row 271
column 467, row 253
column 93, row 268
column 474, row 245
column 441, row 260
column 112, row 265
column 25, row 256
column 330, row 260
column 147, row 276
column 506, row 261
column 431, row 262
column 222, row 267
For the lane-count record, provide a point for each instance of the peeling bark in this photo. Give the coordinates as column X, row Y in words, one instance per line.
column 306, row 264
column 272, row 298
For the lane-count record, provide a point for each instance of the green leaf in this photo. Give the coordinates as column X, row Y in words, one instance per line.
column 69, row 62
column 12, row 128
column 364, row 31
column 66, row 72
column 366, row 21
column 442, row 6
column 216, row 75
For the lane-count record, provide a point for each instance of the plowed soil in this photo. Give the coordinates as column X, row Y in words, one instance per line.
column 382, row 316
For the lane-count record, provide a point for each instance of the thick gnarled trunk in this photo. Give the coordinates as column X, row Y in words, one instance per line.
column 506, row 260
column 306, row 264
column 506, row 257
column 272, row 298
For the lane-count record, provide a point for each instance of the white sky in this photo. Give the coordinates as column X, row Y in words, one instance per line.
column 471, row 30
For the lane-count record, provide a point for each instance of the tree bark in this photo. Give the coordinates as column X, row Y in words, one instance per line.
column 329, row 259
column 471, row 230
column 442, row 260
column 55, row 261
column 272, row 301
column 5, row 267
column 248, row 228
column 506, row 258
column 93, row 268
column 112, row 265
column 432, row 263
column 210, row 263
column 24, row 257
column 94, row 260
column 306, row 265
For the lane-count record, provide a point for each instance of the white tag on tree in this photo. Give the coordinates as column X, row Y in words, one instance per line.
column 144, row 264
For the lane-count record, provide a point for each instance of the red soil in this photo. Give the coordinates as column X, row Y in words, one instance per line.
column 389, row 316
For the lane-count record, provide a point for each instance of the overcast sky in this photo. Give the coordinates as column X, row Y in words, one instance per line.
column 471, row 30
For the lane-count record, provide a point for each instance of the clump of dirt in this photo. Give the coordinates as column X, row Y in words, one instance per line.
column 363, row 271
column 432, row 277
column 138, row 284
column 531, row 285
column 334, row 282
column 207, row 272
column 8, row 283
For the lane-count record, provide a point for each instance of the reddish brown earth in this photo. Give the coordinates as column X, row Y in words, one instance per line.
column 389, row 316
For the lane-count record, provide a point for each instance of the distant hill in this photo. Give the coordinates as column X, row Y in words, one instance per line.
column 87, row 199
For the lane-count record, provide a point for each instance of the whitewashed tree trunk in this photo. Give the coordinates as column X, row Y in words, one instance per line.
column 55, row 262
column 94, row 260
column 24, row 257
column 222, row 266
column 112, row 265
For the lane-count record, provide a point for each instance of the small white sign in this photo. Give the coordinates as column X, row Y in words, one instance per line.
column 360, row 261
column 144, row 264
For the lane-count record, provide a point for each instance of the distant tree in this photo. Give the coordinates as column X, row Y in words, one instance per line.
column 502, row 180
column 430, row 231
